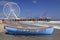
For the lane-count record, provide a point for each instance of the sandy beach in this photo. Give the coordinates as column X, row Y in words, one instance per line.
column 4, row 36
column 54, row 36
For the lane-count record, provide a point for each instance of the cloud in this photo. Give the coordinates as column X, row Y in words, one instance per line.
column 34, row 1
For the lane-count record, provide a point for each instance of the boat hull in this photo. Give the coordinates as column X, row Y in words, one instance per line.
column 37, row 31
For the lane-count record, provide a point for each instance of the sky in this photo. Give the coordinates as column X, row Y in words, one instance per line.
column 35, row 8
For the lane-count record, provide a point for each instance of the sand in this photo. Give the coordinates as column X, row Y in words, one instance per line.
column 4, row 36
column 54, row 36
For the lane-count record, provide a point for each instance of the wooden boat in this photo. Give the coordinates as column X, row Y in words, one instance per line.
column 29, row 30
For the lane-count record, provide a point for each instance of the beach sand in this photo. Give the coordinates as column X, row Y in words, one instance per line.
column 54, row 36
column 4, row 36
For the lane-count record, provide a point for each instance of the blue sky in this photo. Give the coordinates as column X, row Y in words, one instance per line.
column 36, row 8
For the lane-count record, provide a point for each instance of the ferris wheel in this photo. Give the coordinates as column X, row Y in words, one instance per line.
column 11, row 10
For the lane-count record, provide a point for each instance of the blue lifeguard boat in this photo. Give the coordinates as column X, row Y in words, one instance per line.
column 29, row 31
